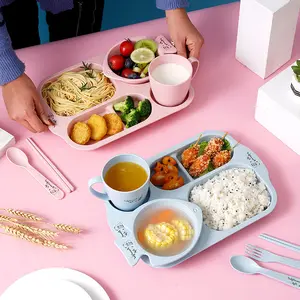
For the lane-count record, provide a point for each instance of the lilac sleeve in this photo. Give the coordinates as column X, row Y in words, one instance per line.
column 171, row 4
column 10, row 65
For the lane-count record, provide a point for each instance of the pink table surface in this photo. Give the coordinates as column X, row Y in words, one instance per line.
column 225, row 100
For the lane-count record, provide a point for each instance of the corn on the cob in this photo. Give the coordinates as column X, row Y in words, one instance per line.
column 161, row 235
column 185, row 230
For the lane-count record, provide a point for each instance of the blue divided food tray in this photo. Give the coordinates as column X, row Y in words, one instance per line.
column 242, row 158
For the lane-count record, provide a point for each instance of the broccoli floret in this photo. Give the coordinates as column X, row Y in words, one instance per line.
column 132, row 118
column 144, row 108
column 124, row 106
column 123, row 117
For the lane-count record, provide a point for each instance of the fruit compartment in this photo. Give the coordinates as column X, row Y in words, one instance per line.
column 106, row 108
column 78, row 67
column 205, row 138
column 229, row 166
column 181, row 172
column 115, row 50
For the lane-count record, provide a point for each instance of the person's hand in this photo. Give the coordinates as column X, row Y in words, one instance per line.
column 23, row 104
column 187, row 39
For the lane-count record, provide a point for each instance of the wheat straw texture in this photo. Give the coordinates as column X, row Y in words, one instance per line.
column 53, row 244
column 31, row 238
column 67, row 228
column 4, row 218
column 21, row 235
column 45, row 233
column 22, row 214
column 21, row 227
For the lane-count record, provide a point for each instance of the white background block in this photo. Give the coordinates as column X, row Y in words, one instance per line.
column 278, row 109
column 266, row 33
column 6, row 141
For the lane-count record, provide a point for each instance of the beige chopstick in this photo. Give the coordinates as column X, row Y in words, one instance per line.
column 63, row 179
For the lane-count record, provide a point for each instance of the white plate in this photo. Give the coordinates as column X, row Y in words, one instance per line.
column 71, row 284
column 49, row 290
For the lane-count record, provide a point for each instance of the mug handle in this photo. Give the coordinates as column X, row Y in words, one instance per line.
column 195, row 64
column 93, row 181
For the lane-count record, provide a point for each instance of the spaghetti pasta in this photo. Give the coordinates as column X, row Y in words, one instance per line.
column 75, row 91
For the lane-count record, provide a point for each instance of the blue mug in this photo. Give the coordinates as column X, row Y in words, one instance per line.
column 126, row 201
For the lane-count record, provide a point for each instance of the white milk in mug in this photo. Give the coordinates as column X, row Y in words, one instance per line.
column 171, row 74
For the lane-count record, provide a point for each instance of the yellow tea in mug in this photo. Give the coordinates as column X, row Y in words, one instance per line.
column 126, row 176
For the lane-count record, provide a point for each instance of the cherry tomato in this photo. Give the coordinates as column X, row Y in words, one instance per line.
column 126, row 73
column 116, row 62
column 126, row 48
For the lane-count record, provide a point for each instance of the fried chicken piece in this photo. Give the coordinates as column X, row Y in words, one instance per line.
column 199, row 166
column 214, row 146
column 189, row 155
column 221, row 158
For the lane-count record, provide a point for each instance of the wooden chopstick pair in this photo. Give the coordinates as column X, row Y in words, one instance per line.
column 68, row 186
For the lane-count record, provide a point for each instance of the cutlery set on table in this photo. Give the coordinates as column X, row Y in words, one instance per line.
column 19, row 158
column 247, row 265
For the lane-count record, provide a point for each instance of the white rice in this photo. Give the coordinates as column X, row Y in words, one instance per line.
column 230, row 198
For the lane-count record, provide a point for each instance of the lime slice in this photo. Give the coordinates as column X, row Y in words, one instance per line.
column 142, row 56
column 150, row 44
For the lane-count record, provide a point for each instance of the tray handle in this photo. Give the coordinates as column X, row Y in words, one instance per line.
column 253, row 161
column 130, row 250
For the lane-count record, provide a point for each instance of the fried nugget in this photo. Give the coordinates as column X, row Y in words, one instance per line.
column 81, row 133
column 98, row 127
column 114, row 123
